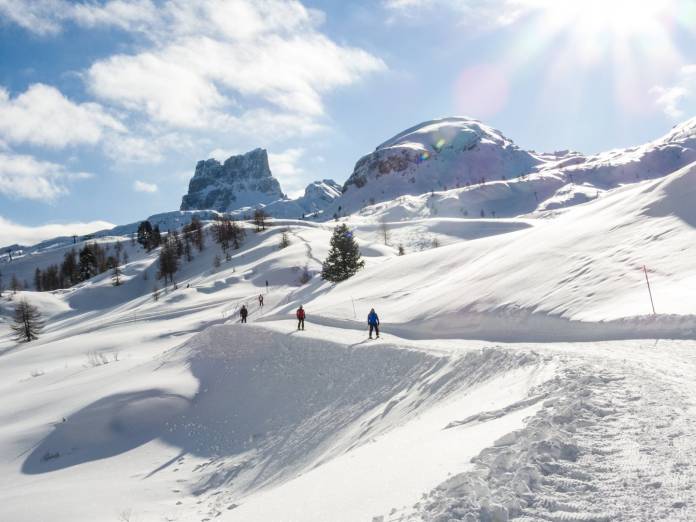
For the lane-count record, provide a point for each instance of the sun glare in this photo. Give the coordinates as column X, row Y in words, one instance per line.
column 597, row 17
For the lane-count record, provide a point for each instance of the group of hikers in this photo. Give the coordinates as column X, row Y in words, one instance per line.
column 372, row 317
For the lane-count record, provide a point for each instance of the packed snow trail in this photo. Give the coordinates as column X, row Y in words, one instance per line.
column 614, row 441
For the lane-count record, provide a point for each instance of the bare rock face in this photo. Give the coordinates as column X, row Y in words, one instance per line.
column 241, row 181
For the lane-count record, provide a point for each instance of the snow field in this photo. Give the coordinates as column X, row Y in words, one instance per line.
column 173, row 411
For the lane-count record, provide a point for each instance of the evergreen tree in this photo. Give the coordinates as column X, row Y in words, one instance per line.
column 88, row 263
column 37, row 279
column 27, row 322
column 344, row 259
column 156, row 237
column 145, row 235
column 69, row 268
column 1, row 286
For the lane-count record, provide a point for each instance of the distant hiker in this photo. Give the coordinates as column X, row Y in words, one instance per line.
column 260, row 300
column 373, row 322
column 243, row 313
column 267, row 286
column 300, row 318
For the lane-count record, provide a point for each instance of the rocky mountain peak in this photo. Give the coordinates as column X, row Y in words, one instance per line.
column 241, row 181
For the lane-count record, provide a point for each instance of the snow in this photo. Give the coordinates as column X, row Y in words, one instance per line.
column 521, row 374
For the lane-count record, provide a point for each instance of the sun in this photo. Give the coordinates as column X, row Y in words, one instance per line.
column 625, row 17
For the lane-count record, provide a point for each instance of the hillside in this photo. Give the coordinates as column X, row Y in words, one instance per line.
column 520, row 374
column 170, row 408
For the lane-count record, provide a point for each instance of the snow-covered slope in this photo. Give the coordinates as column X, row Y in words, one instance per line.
column 585, row 264
column 440, row 155
column 518, row 377
column 435, row 155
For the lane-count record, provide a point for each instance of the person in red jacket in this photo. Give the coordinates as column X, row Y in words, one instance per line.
column 300, row 318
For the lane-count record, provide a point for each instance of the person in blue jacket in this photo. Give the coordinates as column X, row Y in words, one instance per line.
column 373, row 322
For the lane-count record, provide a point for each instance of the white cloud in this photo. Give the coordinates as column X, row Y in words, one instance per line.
column 222, row 154
column 13, row 233
column 39, row 16
column 672, row 98
column 477, row 14
column 145, row 146
column 285, row 163
column 26, row 177
column 143, row 186
column 233, row 68
column 285, row 166
column 43, row 116
column 229, row 62
column 47, row 17
column 125, row 14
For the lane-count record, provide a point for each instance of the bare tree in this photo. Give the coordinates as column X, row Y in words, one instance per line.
column 384, row 231
column 284, row 240
column 27, row 322
column 260, row 218
column 15, row 285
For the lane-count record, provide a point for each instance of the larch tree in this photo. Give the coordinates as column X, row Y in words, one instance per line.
column 27, row 322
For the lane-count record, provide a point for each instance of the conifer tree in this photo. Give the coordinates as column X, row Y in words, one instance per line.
column 88, row 263
column 156, row 237
column 37, row 279
column 15, row 285
column 344, row 259
column 145, row 235
column 27, row 322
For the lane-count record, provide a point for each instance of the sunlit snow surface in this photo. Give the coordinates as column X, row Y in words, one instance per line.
column 520, row 375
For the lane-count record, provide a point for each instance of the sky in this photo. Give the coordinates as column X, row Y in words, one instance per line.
column 107, row 105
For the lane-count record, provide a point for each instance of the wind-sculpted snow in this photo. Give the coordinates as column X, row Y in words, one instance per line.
column 271, row 404
column 610, row 443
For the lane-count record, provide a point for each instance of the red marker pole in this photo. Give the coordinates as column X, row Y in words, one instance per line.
column 645, row 270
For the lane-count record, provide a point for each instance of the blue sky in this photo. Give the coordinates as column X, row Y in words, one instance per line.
column 105, row 106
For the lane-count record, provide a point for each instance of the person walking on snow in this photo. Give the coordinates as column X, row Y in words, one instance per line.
column 300, row 318
column 243, row 313
column 373, row 322
column 260, row 300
